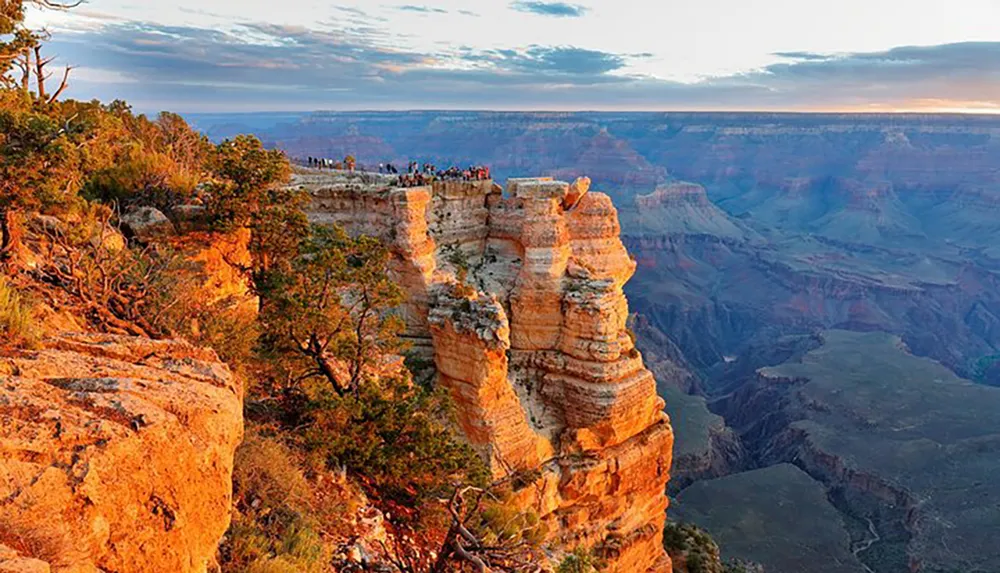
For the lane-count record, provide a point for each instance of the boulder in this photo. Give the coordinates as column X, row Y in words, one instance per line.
column 577, row 190
column 147, row 224
column 12, row 562
column 116, row 454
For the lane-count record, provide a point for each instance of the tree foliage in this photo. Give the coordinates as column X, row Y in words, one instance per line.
column 578, row 561
column 21, row 51
column 123, row 290
column 159, row 163
column 693, row 550
column 327, row 313
column 248, row 180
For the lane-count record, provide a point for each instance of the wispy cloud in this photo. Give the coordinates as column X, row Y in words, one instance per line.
column 808, row 56
column 557, row 9
column 421, row 9
column 553, row 59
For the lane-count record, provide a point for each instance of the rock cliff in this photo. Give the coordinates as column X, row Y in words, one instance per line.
column 518, row 298
column 116, row 454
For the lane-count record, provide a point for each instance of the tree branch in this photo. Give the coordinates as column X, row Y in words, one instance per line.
column 54, row 5
column 62, row 86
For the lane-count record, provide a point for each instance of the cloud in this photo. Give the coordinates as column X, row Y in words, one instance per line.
column 351, row 10
column 899, row 70
column 808, row 56
column 421, row 9
column 355, row 63
column 558, row 60
column 557, row 9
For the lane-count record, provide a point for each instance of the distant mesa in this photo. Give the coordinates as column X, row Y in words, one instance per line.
column 673, row 192
column 681, row 208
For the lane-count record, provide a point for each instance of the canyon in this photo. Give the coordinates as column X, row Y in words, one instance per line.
column 814, row 301
column 759, row 238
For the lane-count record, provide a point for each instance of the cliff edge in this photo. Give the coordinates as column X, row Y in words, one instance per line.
column 517, row 297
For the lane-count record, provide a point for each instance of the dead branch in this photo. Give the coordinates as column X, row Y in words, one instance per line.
column 62, row 86
column 113, row 287
column 40, row 74
column 54, row 5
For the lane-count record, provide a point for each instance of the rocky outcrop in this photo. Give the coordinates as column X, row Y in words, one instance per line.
column 212, row 272
column 518, row 298
column 147, row 224
column 13, row 562
column 116, row 454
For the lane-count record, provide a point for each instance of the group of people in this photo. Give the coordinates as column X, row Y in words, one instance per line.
column 417, row 175
column 472, row 173
column 417, row 179
column 323, row 163
column 412, row 168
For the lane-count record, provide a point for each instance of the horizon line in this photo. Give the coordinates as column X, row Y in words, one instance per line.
column 903, row 112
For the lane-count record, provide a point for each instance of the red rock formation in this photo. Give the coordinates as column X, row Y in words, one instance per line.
column 116, row 454
column 533, row 346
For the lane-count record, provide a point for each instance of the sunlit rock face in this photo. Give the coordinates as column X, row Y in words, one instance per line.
column 116, row 454
column 518, row 298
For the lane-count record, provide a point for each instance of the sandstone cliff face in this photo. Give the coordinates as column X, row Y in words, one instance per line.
column 116, row 454
column 519, row 300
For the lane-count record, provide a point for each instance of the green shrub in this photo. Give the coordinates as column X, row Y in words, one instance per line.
column 17, row 321
column 501, row 523
column 249, row 547
column 274, row 528
column 579, row 561
column 692, row 548
column 267, row 476
column 396, row 436
column 274, row 565
column 245, row 543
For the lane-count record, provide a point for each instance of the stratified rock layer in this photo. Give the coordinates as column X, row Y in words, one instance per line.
column 116, row 454
column 519, row 300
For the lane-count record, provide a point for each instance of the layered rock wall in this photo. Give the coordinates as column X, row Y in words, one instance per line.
column 518, row 298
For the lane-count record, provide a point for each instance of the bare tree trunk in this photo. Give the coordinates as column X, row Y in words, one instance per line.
column 40, row 74
column 11, row 235
column 26, row 72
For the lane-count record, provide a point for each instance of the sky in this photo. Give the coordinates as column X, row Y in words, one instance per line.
column 303, row 55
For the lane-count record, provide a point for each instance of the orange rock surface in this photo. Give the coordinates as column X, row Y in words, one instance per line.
column 533, row 346
column 116, row 454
